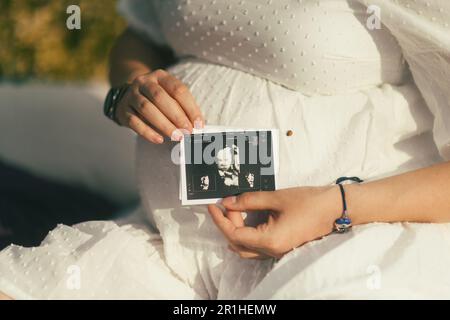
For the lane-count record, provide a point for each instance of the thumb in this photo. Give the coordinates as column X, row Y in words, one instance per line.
column 263, row 200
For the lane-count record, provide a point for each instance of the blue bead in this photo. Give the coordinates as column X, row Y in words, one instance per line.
column 343, row 221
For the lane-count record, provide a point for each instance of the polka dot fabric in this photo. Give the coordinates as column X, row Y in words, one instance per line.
column 298, row 44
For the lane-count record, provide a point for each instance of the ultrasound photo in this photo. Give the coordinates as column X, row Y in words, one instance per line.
column 216, row 165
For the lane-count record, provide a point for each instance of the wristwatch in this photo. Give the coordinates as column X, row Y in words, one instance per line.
column 112, row 100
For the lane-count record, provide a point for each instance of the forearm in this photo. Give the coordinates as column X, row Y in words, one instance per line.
column 132, row 56
column 418, row 196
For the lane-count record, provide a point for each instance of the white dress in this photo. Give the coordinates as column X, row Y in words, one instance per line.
column 359, row 101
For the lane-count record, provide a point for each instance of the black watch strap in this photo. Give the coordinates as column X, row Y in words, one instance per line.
column 112, row 100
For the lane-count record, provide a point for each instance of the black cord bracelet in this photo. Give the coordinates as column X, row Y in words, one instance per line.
column 112, row 100
column 344, row 223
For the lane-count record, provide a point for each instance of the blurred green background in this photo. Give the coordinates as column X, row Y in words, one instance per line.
column 36, row 44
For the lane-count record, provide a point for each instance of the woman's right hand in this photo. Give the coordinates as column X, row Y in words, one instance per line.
column 158, row 104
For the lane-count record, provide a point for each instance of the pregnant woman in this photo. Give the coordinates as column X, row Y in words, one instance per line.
column 350, row 96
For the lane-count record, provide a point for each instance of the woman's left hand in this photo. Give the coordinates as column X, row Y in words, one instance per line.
column 298, row 215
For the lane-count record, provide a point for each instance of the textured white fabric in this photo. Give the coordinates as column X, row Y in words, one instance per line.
column 90, row 261
column 378, row 261
column 422, row 29
column 298, row 44
column 376, row 124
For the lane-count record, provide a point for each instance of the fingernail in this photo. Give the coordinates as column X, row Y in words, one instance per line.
column 177, row 136
column 229, row 200
column 186, row 127
column 198, row 124
column 160, row 140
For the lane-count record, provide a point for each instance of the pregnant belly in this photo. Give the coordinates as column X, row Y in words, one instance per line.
column 369, row 133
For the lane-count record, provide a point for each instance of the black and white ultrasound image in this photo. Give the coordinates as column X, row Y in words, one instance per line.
column 223, row 164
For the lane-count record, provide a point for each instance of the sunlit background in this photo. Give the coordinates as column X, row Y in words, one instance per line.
column 36, row 44
column 61, row 160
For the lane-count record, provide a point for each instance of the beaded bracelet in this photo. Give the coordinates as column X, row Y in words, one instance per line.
column 344, row 223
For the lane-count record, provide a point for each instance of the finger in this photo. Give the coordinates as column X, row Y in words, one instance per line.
column 181, row 93
column 167, row 105
column 141, row 128
column 244, row 236
column 153, row 116
column 236, row 218
column 226, row 226
column 253, row 201
column 247, row 253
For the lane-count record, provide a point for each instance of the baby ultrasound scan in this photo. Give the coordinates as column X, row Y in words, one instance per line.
column 215, row 165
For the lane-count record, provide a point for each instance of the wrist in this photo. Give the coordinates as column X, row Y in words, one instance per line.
column 355, row 194
column 331, row 203
column 345, row 222
column 375, row 202
column 112, row 101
